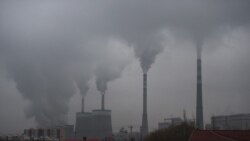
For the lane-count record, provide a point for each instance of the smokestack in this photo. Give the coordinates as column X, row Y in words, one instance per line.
column 199, row 107
column 144, row 127
column 103, row 93
column 82, row 104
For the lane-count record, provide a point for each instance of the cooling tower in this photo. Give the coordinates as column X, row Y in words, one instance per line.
column 144, row 127
column 83, row 124
column 101, row 123
column 199, row 107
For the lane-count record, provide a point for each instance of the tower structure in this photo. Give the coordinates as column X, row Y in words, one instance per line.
column 103, row 106
column 144, row 127
column 199, row 105
column 83, row 104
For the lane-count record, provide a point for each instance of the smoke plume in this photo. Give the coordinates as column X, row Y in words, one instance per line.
column 111, row 62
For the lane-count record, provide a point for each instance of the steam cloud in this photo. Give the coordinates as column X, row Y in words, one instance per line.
column 112, row 61
column 49, row 46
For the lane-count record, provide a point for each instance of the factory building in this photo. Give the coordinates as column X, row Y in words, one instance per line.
column 163, row 125
column 59, row 132
column 231, row 122
column 93, row 124
column 83, row 127
column 170, row 122
column 124, row 135
column 101, row 123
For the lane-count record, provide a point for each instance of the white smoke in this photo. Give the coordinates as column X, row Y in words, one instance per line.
column 113, row 57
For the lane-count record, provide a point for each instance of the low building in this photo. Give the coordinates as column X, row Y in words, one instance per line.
column 170, row 122
column 231, row 122
column 163, row 125
column 59, row 132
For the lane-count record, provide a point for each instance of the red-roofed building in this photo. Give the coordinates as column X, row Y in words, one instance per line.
column 220, row 135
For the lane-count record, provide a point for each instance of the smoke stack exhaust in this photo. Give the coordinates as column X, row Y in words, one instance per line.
column 199, row 105
column 144, row 127
column 103, row 106
column 83, row 104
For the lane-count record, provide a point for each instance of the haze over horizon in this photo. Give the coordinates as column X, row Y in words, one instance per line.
column 54, row 52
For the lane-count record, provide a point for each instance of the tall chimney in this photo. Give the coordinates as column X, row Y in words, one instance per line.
column 82, row 104
column 144, row 127
column 103, row 93
column 199, row 107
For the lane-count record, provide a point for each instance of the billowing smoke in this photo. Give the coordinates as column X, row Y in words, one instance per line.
column 51, row 47
column 202, row 20
column 82, row 77
column 113, row 58
column 146, row 48
column 141, row 23
column 48, row 86
column 48, row 53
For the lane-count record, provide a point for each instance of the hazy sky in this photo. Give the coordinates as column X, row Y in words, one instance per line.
column 53, row 52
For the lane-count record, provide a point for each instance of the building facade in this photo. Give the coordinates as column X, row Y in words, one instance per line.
column 58, row 132
column 170, row 122
column 231, row 122
column 93, row 124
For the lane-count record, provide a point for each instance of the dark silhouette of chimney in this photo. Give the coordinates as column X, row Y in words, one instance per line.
column 83, row 104
column 199, row 105
column 103, row 105
column 144, row 127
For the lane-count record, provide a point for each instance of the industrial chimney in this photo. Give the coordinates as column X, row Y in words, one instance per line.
column 103, row 106
column 144, row 127
column 199, row 107
column 82, row 104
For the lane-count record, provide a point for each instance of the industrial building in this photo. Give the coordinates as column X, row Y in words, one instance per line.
column 59, row 132
column 124, row 135
column 93, row 124
column 170, row 122
column 83, row 124
column 163, row 125
column 231, row 122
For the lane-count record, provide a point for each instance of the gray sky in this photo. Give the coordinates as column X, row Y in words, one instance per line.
column 52, row 52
